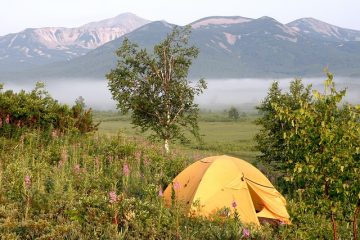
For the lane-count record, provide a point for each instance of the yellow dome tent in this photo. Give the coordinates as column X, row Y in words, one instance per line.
column 220, row 182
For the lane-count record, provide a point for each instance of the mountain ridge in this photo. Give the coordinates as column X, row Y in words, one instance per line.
column 322, row 29
column 230, row 47
column 36, row 46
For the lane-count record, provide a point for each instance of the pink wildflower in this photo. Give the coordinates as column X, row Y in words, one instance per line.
column 234, row 204
column 77, row 168
column 27, row 181
column 161, row 193
column 176, row 185
column 7, row 119
column 246, row 233
column 112, row 197
column 126, row 170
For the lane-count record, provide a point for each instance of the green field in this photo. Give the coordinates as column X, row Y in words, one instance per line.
column 220, row 136
column 107, row 185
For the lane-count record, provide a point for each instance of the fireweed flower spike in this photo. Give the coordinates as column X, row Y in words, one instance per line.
column 161, row 194
column 246, row 233
column 176, row 185
column 77, row 168
column 126, row 170
column 27, row 181
column 112, row 197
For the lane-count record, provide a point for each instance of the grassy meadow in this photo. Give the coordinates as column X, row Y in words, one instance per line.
column 219, row 134
column 108, row 185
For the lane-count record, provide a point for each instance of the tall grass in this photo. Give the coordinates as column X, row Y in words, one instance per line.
column 108, row 187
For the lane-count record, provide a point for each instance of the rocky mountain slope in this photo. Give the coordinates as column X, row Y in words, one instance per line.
column 231, row 47
column 33, row 47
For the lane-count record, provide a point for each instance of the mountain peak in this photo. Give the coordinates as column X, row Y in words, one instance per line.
column 127, row 20
column 266, row 18
column 320, row 29
column 50, row 44
column 219, row 20
column 310, row 22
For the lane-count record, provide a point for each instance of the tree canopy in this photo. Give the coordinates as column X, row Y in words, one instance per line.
column 154, row 86
column 233, row 114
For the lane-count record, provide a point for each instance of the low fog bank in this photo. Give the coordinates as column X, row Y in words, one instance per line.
column 221, row 93
column 94, row 91
column 247, row 93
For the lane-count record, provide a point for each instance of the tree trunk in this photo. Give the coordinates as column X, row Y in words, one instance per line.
column 355, row 226
column 167, row 145
column 166, row 140
column 334, row 225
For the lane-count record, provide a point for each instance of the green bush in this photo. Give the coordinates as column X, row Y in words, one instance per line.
column 38, row 110
column 312, row 140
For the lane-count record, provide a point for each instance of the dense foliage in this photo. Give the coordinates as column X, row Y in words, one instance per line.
column 38, row 110
column 314, row 142
column 96, row 187
column 87, row 186
column 92, row 188
column 155, row 88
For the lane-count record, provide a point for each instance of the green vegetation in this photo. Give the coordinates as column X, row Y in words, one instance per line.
column 38, row 110
column 233, row 114
column 219, row 134
column 314, row 142
column 155, row 89
column 108, row 184
column 107, row 187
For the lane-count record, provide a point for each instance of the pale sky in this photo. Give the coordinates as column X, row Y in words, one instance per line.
column 16, row 15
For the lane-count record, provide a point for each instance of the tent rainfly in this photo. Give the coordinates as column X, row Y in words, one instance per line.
column 223, row 182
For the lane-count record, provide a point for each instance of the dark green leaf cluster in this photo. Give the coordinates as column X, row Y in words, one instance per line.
column 155, row 88
column 270, row 138
column 38, row 110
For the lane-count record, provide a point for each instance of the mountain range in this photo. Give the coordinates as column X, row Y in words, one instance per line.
column 38, row 46
column 230, row 47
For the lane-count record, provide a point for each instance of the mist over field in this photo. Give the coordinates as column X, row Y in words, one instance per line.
column 221, row 93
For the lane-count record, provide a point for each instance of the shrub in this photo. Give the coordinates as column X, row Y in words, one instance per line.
column 313, row 140
column 38, row 110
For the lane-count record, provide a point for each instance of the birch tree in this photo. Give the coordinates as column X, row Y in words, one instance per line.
column 155, row 89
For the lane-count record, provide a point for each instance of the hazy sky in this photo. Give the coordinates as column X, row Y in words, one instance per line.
column 16, row 15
